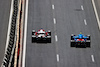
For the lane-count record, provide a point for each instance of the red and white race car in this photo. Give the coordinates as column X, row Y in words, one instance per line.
column 41, row 36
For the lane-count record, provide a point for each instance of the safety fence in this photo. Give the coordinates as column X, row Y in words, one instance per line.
column 18, row 52
column 10, row 50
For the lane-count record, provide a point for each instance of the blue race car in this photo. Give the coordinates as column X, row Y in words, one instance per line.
column 80, row 40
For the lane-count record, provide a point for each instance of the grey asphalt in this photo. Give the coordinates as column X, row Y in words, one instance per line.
column 70, row 20
column 40, row 16
column 4, row 20
column 97, row 3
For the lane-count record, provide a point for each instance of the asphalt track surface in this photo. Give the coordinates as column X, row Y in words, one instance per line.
column 70, row 16
column 4, row 20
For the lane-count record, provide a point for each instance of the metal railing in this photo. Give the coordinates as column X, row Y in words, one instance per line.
column 12, row 38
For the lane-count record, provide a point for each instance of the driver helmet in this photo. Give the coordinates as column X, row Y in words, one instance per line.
column 80, row 35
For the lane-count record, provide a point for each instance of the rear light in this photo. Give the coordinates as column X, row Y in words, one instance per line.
column 38, row 30
column 35, row 33
column 80, row 39
column 46, row 33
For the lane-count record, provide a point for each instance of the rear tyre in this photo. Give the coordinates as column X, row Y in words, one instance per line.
column 49, row 32
column 89, row 37
column 33, row 39
column 88, row 43
column 72, row 44
column 49, row 40
column 72, row 36
column 33, row 31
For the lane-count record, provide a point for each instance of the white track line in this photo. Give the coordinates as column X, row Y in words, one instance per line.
column 56, row 39
column 82, row 7
column 92, row 58
column 9, row 25
column 53, row 7
column 54, row 20
column 25, row 34
column 85, row 22
column 95, row 10
column 57, row 57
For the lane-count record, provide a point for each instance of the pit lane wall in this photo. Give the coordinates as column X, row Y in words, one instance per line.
column 13, row 47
